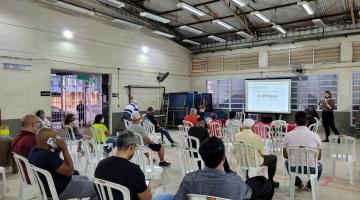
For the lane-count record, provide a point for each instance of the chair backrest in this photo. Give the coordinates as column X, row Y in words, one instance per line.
column 279, row 126
column 182, row 130
column 149, row 127
column 190, row 156
column 342, row 146
column 215, row 129
column 140, row 138
column 187, row 124
column 38, row 173
column 240, row 116
column 127, row 123
column 143, row 157
column 98, row 135
column 315, row 127
column 245, row 153
column 302, row 160
column 105, row 189
column 262, row 130
column 203, row 197
column 94, row 156
column 191, row 142
column 70, row 135
column 22, row 164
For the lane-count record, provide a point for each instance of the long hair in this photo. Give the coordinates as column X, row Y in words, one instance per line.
column 328, row 91
column 69, row 118
column 98, row 118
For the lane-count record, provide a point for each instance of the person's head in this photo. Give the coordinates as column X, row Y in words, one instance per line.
column 99, row 119
column 327, row 94
column 80, row 102
column 301, row 118
column 232, row 115
column 69, row 118
column 193, row 111
column 213, row 116
column 135, row 117
column 126, row 143
column 248, row 123
column 43, row 136
column 30, row 123
column 135, row 102
column 212, row 151
column 150, row 110
column 40, row 114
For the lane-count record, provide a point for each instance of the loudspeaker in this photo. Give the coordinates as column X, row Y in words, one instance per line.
column 162, row 76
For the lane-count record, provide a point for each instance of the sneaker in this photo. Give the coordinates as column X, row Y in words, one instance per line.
column 276, row 184
column 164, row 164
column 175, row 144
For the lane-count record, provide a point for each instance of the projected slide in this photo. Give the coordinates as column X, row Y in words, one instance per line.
column 268, row 96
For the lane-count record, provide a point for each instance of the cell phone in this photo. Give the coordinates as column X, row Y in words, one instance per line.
column 147, row 182
column 52, row 143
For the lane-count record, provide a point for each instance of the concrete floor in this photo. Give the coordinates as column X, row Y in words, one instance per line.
column 339, row 189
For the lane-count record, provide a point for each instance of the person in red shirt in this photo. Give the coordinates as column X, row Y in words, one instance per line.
column 26, row 139
column 192, row 117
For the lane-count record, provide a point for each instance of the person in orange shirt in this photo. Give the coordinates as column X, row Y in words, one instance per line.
column 192, row 117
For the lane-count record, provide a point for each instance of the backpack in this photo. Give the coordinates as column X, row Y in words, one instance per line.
column 262, row 188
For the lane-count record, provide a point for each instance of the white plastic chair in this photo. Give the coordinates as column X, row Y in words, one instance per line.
column 343, row 148
column 72, row 143
column 264, row 132
column 303, row 161
column 2, row 171
column 27, row 190
column 105, row 189
column 41, row 186
column 190, row 155
column 245, row 153
column 203, row 197
column 240, row 116
column 92, row 157
column 150, row 128
column 215, row 130
column 277, row 134
column 187, row 124
column 229, row 137
column 140, row 138
column 127, row 123
column 315, row 127
column 99, row 142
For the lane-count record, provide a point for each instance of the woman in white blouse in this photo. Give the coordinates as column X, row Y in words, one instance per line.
column 44, row 121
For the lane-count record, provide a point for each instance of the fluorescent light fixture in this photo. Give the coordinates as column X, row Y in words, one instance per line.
column 144, row 49
column 213, row 37
column 306, row 6
column 280, row 29
column 127, row 23
column 191, row 9
column 191, row 29
column 319, row 23
column 245, row 35
column 155, row 17
column 221, row 23
column 75, row 8
column 68, row 34
column 114, row 3
column 190, row 42
column 163, row 34
column 261, row 16
column 241, row 3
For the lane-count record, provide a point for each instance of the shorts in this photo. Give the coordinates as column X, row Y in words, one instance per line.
column 155, row 147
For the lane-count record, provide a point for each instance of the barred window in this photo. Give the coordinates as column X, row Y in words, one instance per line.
column 355, row 96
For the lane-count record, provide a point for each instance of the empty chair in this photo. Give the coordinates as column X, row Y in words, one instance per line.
column 127, row 123
column 264, row 132
column 93, row 156
column 2, row 171
column 183, row 132
column 38, row 172
column 277, row 134
column 203, row 197
column 215, row 130
column 343, row 148
column 190, row 156
column 106, row 189
column 72, row 143
column 187, row 124
column 315, row 127
column 303, row 161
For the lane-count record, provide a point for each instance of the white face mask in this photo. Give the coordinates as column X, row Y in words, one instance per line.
column 102, row 121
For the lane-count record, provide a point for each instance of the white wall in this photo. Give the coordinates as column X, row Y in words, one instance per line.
column 31, row 33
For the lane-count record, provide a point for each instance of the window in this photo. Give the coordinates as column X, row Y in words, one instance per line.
column 355, row 94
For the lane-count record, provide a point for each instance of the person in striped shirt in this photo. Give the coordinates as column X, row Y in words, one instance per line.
column 129, row 109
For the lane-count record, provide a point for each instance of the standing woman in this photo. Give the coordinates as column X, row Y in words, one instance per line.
column 327, row 106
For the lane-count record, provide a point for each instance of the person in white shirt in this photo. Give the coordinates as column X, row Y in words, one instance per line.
column 302, row 136
column 129, row 109
column 45, row 123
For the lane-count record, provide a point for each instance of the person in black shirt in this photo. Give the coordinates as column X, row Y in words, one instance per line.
column 80, row 108
column 46, row 156
column 158, row 128
column 118, row 169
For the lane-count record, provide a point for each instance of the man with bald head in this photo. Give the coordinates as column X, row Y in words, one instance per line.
column 46, row 156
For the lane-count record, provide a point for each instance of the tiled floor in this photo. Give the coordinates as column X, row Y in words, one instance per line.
column 339, row 189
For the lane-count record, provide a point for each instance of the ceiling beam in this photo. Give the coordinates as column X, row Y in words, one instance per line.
column 353, row 21
column 195, row 5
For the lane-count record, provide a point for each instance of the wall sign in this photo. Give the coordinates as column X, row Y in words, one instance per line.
column 45, row 93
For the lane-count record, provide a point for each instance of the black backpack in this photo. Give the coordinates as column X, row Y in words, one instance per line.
column 262, row 188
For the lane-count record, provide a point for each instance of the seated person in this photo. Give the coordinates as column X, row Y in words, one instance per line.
column 45, row 156
column 214, row 118
column 232, row 121
column 70, row 126
column 201, row 112
column 118, row 169
column 249, row 137
column 137, row 128
column 104, row 133
column 158, row 128
column 192, row 117
column 212, row 180
column 302, row 136
column 44, row 121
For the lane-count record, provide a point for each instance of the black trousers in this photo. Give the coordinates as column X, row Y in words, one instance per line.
column 81, row 119
column 270, row 162
column 328, row 123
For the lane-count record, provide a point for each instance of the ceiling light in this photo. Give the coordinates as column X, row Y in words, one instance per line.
column 114, row 3
column 190, row 29
column 239, row 2
column 216, row 38
column 155, row 17
column 68, row 34
column 190, row 8
column 306, row 6
column 261, row 16
column 280, row 29
column 127, row 23
column 190, row 42
column 245, row 35
column 319, row 23
column 144, row 49
column 221, row 23
column 74, row 8
column 163, row 34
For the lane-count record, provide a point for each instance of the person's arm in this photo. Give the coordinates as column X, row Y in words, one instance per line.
column 329, row 104
column 285, row 153
column 146, row 195
column 67, row 168
column 319, row 157
column 147, row 140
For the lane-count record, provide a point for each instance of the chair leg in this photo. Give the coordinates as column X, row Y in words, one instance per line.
column 351, row 171
column 4, row 182
column 333, row 169
column 292, row 186
column 21, row 190
column 313, row 181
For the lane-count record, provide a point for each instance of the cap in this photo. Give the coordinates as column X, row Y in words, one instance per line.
column 248, row 123
column 135, row 115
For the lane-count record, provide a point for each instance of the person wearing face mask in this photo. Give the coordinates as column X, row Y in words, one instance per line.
column 26, row 139
column 118, row 169
column 103, row 131
column 44, row 121
column 327, row 106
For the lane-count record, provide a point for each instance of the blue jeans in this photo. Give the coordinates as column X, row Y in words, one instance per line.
column 112, row 141
column 164, row 132
column 166, row 196
column 298, row 181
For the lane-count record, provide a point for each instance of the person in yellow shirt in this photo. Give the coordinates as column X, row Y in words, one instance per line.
column 249, row 137
column 102, row 133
